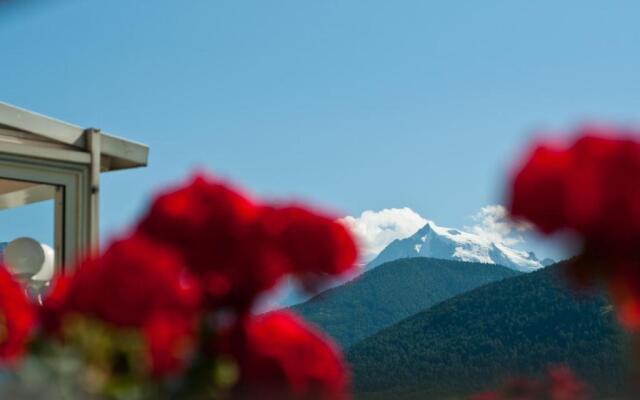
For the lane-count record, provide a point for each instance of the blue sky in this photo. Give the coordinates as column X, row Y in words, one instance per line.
column 353, row 105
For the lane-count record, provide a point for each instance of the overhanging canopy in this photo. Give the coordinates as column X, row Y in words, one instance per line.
column 25, row 131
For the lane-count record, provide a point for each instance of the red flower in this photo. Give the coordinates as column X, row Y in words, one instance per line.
column 565, row 385
column 239, row 248
column 604, row 192
column 539, row 188
column 132, row 281
column 170, row 342
column 135, row 284
column 216, row 230
column 624, row 286
column 314, row 244
column 560, row 384
column 17, row 318
column 53, row 309
column 206, row 220
column 282, row 358
column 592, row 189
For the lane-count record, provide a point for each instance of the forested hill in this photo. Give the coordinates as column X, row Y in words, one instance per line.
column 392, row 292
column 475, row 340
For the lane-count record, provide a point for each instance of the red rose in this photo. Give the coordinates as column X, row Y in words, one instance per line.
column 170, row 342
column 605, row 191
column 539, row 187
column 17, row 318
column 239, row 248
column 135, row 284
column 281, row 357
column 314, row 244
column 217, row 231
column 53, row 309
column 206, row 220
column 592, row 189
column 132, row 281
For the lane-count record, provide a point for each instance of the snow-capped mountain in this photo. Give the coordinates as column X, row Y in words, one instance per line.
column 453, row 244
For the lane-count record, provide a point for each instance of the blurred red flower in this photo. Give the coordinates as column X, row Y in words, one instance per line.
column 559, row 384
column 17, row 318
column 565, row 385
column 193, row 269
column 53, row 309
column 134, row 284
column 170, row 342
column 538, row 189
column 214, row 227
column 315, row 245
column 280, row 357
column 592, row 189
column 132, row 281
column 240, row 248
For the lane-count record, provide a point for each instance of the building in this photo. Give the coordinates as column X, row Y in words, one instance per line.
column 43, row 159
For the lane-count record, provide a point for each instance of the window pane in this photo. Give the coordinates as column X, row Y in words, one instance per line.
column 28, row 231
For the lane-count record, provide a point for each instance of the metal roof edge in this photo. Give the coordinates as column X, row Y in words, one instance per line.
column 126, row 153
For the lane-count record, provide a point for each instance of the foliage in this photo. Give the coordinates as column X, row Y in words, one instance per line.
column 391, row 292
column 475, row 341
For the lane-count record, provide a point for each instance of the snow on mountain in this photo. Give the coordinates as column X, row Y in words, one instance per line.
column 453, row 244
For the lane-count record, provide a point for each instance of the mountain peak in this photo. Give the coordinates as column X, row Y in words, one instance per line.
column 454, row 244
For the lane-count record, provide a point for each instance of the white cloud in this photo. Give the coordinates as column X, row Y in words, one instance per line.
column 374, row 230
column 493, row 223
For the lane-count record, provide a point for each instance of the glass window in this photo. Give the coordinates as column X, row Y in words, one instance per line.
column 31, row 232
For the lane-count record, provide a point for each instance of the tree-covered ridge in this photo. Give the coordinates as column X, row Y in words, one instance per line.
column 391, row 292
column 476, row 340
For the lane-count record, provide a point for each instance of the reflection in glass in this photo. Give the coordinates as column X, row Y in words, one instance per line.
column 30, row 232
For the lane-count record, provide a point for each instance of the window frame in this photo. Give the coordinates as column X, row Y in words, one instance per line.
column 72, row 219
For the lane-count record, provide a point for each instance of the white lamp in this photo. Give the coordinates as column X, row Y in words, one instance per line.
column 29, row 259
column 47, row 269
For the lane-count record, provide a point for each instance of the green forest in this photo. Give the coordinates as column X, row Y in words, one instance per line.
column 391, row 292
column 476, row 340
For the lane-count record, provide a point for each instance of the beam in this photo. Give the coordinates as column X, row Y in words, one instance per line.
column 125, row 153
column 38, row 124
column 32, row 194
column 94, row 144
